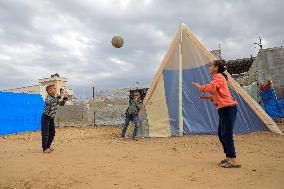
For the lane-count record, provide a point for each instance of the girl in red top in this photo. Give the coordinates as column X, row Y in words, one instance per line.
column 227, row 110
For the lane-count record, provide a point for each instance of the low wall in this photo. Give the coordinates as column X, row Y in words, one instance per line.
column 74, row 115
column 92, row 112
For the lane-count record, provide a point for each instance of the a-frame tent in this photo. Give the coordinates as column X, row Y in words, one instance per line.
column 172, row 106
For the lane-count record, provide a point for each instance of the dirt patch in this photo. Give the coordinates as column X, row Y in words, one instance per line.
column 97, row 158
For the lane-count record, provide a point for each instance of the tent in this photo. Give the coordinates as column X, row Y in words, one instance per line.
column 172, row 106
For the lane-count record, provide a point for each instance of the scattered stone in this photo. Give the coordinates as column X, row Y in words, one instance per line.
column 116, row 141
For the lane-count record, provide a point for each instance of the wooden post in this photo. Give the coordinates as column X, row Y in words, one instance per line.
column 93, row 93
column 94, row 118
column 180, row 117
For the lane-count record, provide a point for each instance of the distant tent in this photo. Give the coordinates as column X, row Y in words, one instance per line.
column 172, row 106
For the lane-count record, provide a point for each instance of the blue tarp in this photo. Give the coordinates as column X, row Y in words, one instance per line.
column 201, row 116
column 273, row 106
column 20, row 112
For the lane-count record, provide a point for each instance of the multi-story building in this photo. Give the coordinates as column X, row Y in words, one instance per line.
column 55, row 79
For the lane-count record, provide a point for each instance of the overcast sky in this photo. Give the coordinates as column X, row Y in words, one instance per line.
column 72, row 37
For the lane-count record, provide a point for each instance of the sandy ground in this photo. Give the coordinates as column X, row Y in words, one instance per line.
column 96, row 158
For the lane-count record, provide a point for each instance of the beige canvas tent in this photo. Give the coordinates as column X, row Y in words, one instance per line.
column 172, row 106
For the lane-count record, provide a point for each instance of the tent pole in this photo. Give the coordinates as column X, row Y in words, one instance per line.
column 180, row 86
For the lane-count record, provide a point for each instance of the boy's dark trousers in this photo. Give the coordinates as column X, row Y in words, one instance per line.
column 47, row 131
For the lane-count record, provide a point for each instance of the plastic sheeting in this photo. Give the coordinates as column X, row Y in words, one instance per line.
column 200, row 116
column 172, row 99
column 20, row 112
column 273, row 106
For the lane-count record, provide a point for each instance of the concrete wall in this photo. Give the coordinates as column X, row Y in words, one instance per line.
column 74, row 115
column 109, row 112
column 253, row 91
column 270, row 66
column 92, row 112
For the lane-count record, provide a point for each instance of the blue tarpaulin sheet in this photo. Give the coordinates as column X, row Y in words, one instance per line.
column 20, row 112
column 201, row 116
column 273, row 106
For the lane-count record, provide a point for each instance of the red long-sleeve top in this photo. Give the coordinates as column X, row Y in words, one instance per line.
column 218, row 88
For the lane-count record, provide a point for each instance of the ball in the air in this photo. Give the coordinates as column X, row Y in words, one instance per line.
column 117, row 41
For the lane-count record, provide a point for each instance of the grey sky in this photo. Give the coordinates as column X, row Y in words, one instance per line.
column 72, row 37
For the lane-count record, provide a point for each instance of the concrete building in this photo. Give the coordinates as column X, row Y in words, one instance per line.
column 267, row 66
column 31, row 89
column 270, row 67
column 54, row 79
column 216, row 53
